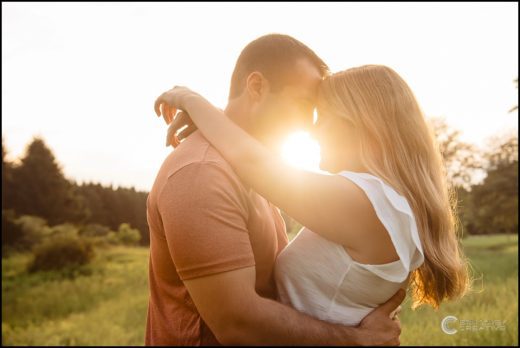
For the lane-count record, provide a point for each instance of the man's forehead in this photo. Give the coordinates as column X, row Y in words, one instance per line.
column 305, row 92
column 306, row 79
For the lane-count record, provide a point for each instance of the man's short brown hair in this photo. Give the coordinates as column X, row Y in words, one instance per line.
column 274, row 56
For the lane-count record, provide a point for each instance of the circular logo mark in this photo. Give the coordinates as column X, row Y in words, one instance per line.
column 445, row 322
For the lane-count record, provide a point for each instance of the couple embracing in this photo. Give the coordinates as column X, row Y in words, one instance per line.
column 378, row 221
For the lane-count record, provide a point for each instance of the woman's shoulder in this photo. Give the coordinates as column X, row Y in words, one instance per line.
column 394, row 213
column 376, row 187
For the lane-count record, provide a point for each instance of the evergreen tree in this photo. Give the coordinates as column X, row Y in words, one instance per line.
column 112, row 207
column 41, row 189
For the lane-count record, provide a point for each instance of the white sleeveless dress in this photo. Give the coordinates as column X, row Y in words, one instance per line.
column 318, row 277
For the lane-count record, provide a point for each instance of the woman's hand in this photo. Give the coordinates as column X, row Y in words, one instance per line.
column 167, row 105
column 180, row 128
column 172, row 100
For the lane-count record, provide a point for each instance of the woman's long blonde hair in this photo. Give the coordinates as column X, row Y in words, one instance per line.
column 398, row 145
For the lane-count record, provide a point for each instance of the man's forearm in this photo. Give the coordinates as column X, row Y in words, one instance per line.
column 270, row 322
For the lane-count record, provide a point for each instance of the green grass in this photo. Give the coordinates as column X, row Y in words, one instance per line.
column 494, row 261
column 106, row 304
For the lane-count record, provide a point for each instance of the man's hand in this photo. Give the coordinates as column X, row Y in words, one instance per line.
column 382, row 326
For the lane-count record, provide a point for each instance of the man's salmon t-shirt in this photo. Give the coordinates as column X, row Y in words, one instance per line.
column 203, row 221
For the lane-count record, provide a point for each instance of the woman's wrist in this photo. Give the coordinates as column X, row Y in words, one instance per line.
column 190, row 101
column 195, row 104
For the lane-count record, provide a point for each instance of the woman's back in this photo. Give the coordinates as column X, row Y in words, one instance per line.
column 318, row 277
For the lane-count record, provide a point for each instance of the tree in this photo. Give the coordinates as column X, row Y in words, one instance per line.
column 39, row 188
column 12, row 232
column 462, row 160
column 99, row 211
column 503, row 151
column 111, row 207
column 128, row 235
column 6, row 177
column 495, row 201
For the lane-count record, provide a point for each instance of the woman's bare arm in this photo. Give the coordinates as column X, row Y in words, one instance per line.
column 327, row 204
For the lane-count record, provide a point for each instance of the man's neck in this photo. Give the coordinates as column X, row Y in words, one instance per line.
column 236, row 113
column 241, row 117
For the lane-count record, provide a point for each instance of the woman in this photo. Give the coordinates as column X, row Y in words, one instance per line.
column 384, row 221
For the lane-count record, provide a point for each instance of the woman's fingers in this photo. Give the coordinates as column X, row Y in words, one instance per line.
column 179, row 129
column 171, row 138
column 168, row 103
column 173, row 111
column 166, row 112
column 176, row 141
column 180, row 120
column 187, row 131
column 157, row 105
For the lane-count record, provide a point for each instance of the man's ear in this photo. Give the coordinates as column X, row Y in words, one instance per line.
column 256, row 86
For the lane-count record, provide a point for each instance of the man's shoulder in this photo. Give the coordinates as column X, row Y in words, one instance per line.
column 196, row 150
column 198, row 163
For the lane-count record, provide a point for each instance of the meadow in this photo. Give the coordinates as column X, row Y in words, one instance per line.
column 105, row 302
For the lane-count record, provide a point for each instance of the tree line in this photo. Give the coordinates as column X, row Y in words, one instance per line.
column 36, row 186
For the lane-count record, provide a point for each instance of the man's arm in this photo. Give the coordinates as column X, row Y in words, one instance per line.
column 205, row 221
column 237, row 315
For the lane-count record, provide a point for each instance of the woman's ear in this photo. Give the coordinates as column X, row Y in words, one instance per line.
column 256, row 86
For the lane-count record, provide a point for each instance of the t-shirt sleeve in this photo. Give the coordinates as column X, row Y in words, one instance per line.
column 204, row 214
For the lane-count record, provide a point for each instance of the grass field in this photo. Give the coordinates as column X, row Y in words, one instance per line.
column 106, row 304
column 494, row 260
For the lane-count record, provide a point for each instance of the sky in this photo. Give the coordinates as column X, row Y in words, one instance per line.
column 84, row 76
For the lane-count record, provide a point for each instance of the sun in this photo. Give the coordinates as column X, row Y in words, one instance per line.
column 301, row 151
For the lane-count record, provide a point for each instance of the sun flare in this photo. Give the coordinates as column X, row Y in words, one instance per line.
column 301, row 151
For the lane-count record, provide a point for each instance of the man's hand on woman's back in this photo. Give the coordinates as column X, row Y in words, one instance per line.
column 379, row 328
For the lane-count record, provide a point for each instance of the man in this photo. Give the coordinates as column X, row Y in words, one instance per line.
column 214, row 241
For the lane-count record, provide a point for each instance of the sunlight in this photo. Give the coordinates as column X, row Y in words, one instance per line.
column 302, row 151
